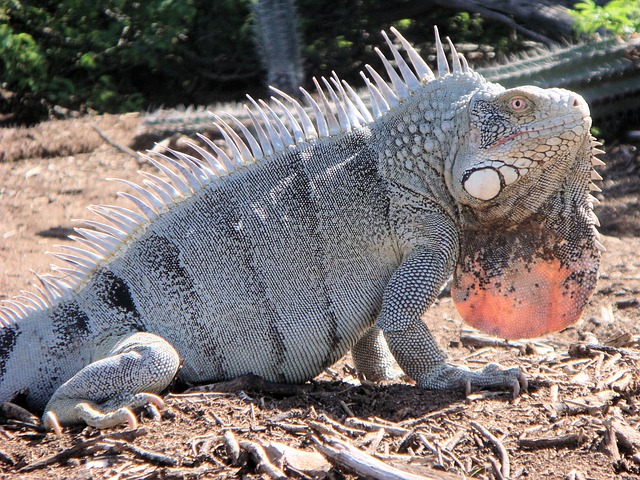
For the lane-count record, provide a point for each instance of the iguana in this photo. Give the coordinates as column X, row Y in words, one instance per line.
column 313, row 235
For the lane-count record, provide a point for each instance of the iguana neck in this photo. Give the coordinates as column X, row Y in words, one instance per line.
column 413, row 139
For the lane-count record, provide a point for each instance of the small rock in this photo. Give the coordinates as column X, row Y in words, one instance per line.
column 627, row 303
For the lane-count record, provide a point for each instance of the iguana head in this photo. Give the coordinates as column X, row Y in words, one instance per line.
column 521, row 176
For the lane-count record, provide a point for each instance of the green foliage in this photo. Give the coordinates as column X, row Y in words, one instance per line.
column 79, row 54
column 621, row 17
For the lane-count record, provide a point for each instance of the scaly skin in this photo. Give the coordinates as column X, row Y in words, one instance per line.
column 281, row 259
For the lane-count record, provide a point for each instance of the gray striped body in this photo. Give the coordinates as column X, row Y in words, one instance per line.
column 278, row 270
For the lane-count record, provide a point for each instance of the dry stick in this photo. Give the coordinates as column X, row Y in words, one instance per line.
column 340, row 427
column 146, row 455
column 502, row 452
column 375, row 442
column 440, row 413
column 453, row 441
column 346, row 408
column 232, row 446
column 591, row 349
column 218, row 420
column 6, row 458
column 290, row 427
column 253, row 383
column 626, row 435
column 623, row 384
column 122, row 148
column 392, row 430
column 473, row 340
column 79, row 449
column 347, row 456
column 566, row 441
column 610, row 443
column 326, row 430
column 497, row 473
column 205, row 451
column 14, row 412
column 430, row 447
column 263, row 464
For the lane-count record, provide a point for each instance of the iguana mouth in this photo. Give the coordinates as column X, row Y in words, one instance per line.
column 560, row 126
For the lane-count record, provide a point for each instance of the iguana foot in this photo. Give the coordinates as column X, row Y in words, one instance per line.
column 106, row 415
column 94, row 417
column 103, row 393
column 445, row 376
column 373, row 359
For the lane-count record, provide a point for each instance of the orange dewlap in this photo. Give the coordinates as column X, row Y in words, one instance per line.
column 528, row 300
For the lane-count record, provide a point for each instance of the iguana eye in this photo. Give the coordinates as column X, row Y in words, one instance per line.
column 519, row 104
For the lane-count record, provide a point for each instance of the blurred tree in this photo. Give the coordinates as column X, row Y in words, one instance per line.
column 278, row 43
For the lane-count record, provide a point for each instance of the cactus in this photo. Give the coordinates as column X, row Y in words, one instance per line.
column 278, row 43
column 184, row 120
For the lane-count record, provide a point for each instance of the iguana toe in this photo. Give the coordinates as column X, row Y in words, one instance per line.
column 51, row 423
column 100, row 420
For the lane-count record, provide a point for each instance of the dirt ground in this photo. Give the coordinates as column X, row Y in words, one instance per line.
column 579, row 419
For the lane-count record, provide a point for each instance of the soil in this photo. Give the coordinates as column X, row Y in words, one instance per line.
column 580, row 417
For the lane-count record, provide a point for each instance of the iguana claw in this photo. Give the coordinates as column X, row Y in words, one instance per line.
column 447, row 376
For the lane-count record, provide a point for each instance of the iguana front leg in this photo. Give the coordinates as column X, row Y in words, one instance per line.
column 411, row 290
column 103, row 393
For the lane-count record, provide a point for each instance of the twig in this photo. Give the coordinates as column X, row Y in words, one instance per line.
column 340, row 427
column 610, row 443
column 253, row 383
column 346, row 408
column 232, row 446
column 626, row 436
column 147, row 455
column 453, row 441
column 290, row 427
column 6, row 458
column 375, row 440
column 325, row 429
column 80, row 448
column 497, row 473
column 592, row 349
column 440, row 413
column 263, row 464
column 347, row 456
column 14, row 412
column 478, row 341
column 434, row 450
column 218, row 420
column 393, row 430
column 502, row 452
column 566, row 441
column 122, row 148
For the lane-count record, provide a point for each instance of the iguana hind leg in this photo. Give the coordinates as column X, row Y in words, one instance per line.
column 103, row 393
